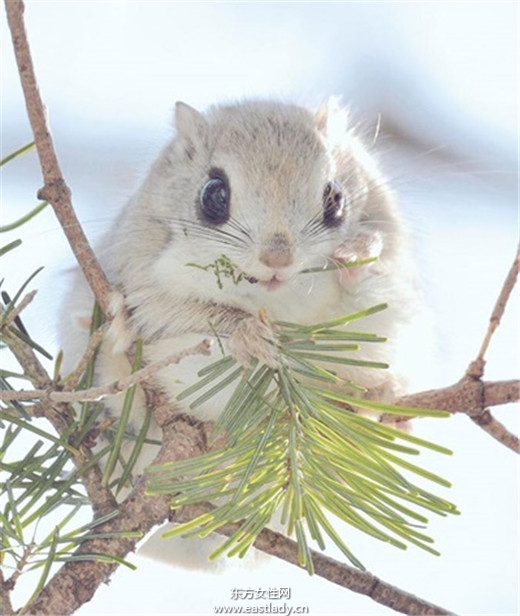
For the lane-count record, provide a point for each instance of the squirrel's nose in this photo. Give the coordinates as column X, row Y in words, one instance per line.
column 277, row 251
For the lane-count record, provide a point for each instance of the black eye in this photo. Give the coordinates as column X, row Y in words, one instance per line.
column 214, row 198
column 333, row 205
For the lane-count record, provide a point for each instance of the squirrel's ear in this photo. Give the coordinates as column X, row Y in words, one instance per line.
column 190, row 123
column 331, row 117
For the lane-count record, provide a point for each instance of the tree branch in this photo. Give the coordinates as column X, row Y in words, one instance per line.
column 470, row 397
column 15, row 312
column 476, row 368
column 59, row 416
column 51, row 394
column 6, row 608
column 361, row 582
column 466, row 396
column 76, row 582
column 55, row 190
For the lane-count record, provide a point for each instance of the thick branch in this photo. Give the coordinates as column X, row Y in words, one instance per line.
column 472, row 397
column 55, row 190
column 76, row 582
column 6, row 608
column 467, row 396
column 362, row 582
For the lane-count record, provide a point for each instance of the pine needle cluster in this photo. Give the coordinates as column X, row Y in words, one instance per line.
column 297, row 450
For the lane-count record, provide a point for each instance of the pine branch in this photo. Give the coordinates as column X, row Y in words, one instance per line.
column 6, row 608
column 182, row 439
column 77, row 581
column 470, row 397
column 55, row 190
column 348, row 577
column 189, row 440
column 15, row 313
column 476, row 368
column 54, row 395
column 60, row 418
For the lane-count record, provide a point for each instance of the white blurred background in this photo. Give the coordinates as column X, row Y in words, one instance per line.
column 442, row 77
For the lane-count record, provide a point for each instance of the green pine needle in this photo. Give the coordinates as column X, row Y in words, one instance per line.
column 21, row 221
column 20, row 152
column 295, row 445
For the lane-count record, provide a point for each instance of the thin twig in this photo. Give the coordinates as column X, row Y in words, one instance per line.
column 55, row 190
column 464, row 397
column 20, row 566
column 497, row 430
column 72, row 380
column 116, row 387
column 15, row 312
column 476, row 368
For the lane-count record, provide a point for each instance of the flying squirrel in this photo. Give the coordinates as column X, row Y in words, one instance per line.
column 283, row 192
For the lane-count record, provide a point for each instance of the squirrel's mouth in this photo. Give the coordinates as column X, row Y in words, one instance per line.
column 272, row 284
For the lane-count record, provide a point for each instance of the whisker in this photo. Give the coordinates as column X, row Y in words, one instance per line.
column 218, row 235
column 313, row 225
column 238, row 226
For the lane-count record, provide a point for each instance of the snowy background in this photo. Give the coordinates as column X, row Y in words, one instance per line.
column 443, row 78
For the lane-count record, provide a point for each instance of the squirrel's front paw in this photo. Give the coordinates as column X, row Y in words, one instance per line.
column 363, row 246
column 118, row 334
column 251, row 339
